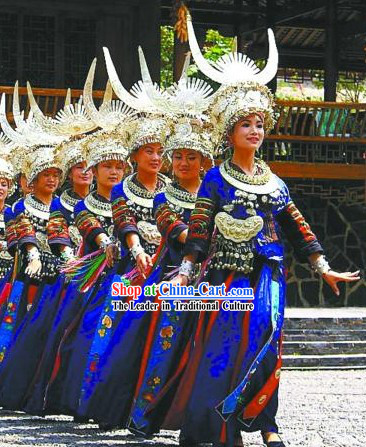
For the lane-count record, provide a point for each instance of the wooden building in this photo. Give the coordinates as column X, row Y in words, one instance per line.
column 318, row 147
column 52, row 44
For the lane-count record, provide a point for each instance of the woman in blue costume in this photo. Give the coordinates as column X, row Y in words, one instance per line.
column 168, row 341
column 231, row 381
column 38, row 268
column 113, row 361
column 44, row 325
column 106, row 155
column 10, row 224
column 7, row 238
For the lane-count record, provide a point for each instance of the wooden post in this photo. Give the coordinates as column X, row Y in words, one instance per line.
column 149, row 35
column 330, row 56
column 180, row 51
column 111, row 34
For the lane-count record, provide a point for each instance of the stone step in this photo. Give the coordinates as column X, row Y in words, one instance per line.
column 324, row 338
column 324, row 335
column 329, row 361
column 325, row 323
column 317, row 347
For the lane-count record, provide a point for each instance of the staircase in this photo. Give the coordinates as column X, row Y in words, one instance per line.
column 325, row 338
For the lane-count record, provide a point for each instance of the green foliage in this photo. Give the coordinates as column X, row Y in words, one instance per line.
column 215, row 46
column 167, row 49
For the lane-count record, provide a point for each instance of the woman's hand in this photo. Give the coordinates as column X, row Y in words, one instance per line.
column 33, row 268
column 143, row 262
column 111, row 254
column 182, row 280
column 332, row 278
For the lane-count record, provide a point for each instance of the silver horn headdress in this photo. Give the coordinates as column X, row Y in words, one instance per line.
column 185, row 105
column 137, row 97
column 234, row 67
column 70, row 121
column 242, row 91
column 6, row 162
column 33, row 149
column 112, row 113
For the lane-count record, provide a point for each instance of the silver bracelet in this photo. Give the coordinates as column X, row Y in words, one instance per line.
column 104, row 242
column 136, row 250
column 33, row 253
column 321, row 265
column 186, row 268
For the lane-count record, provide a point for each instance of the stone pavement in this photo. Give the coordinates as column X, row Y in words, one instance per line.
column 317, row 409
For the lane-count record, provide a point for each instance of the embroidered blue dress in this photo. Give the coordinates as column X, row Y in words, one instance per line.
column 8, row 243
column 22, row 333
column 113, row 362
column 168, row 342
column 93, row 216
column 231, row 380
column 6, row 259
column 63, row 300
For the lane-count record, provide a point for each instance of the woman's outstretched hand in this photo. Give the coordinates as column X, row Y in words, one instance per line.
column 332, row 278
column 143, row 262
column 111, row 253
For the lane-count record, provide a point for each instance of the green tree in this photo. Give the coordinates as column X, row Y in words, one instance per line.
column 215, row 46
column 166, row 54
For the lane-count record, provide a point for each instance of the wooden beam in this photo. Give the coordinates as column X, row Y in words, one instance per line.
column 316, row 139
column 351, row 28
column 287, row 14
column 318, row 170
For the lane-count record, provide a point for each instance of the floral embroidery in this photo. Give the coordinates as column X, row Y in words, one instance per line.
column 166, row 331
column 166, row 345
column 101, row 332
column 122, row 214
column 107, row 321
column 57, row 227
column 24, row 227
column 152, row 383
column 11, row 233
column 86, row 223
column 201, row 219
column 166, row 219
column 301, row 223
column 148, row 396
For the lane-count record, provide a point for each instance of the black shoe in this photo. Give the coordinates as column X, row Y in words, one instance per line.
column 272, row 443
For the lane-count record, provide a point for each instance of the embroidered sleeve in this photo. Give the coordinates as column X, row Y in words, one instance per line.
column 25, row 231
column 10, row 231
column 57, row 230
column 201, row 222
column 88, row 225
column 169, row 223
column 123, row 218
column 298, row 232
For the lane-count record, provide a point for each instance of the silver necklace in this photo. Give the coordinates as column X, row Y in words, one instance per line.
column 98, row 207
column 36, row 208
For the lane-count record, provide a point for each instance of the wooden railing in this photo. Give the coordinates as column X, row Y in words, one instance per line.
column 313, row 127
column 335, row 121
column 50, row 100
